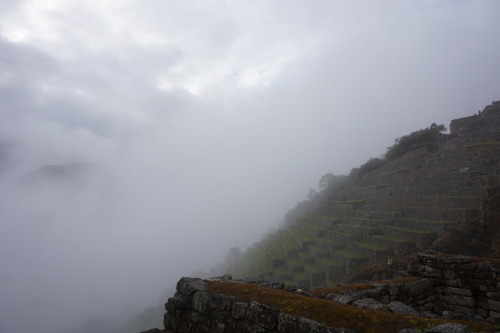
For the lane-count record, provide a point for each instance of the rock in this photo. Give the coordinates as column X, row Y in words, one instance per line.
column 239, row 310
column 402, row 308
column 370, row 304
column 188, row 286
column 452, row 315
column 450, row 328
column 344, row 299
column 176, row 303
column 262, row 315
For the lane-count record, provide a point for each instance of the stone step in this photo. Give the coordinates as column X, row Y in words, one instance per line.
column 361, row 230
column 328, row 243
column 325, row 220
column 370, row 247
column 306, row 258
column 362, row 221
column 421, row 238
column 389, row 203
column 344, row 255
column 399, row 246
column 295, row 265
column 319, row 252
column 302, row 280
column 343, row 205
column 314, row 230
column 317, row 275
column 282, row 273
column 376, row 213
column 460, row 214
column 343, row 237
column 301, row 237
column 289, row 245
column 437, row 226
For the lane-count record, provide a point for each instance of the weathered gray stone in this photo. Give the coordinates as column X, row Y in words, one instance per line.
column 369, row 304
column 462, row 310
column 458, row 291
column 202, row 302
column 493, row 296
column 494, row 305
column 344, row 299
column 447, row 298
column 223, row 302
column 450, row 328
column 307, row 325
column 402, row 308
column 287, row 323
column 262, row 315
column 174, row 303
column 469, row 302
column 188, row 286
column 239, row 310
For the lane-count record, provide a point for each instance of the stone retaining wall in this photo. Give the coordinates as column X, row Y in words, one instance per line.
column 464, row 285
column 192, row 309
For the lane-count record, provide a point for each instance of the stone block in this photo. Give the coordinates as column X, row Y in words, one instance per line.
column 452, row 283
column 493, row 295
column 287, row 323
column 224, row 302
column 449, row 275
column 482, row 312
column 461, row 309
column 262, row 315
column 202, row 302
column 458, row 291
column 175, row 303
column 239, row 310
column 494, row 305
column 307, row 325
column 188, row 286
column 449, row 299
column 469, row 302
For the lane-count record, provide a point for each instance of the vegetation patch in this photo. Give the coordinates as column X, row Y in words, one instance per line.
column 329, row 313
column 373, row 246
column 414, row 231
column 392, row 239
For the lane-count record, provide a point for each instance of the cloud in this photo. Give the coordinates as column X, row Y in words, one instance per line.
column 204, row 122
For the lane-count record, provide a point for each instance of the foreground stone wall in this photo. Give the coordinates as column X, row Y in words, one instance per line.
column 192, row 309
column 463, row 285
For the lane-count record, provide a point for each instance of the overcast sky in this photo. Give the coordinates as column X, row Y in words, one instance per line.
column 203, row 123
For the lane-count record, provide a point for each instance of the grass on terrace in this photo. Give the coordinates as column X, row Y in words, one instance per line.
column 329, row 313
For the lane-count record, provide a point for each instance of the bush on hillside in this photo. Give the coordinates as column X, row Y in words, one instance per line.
column 422, row 138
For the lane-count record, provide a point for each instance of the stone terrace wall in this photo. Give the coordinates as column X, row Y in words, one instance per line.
column 192, row 309
column 463, row 285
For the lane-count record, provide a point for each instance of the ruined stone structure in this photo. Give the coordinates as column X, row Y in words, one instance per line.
column 413, row 203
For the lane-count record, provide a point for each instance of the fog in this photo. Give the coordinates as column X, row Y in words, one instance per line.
column 187, row 128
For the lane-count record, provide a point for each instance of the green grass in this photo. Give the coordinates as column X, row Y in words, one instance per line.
column 314, row 226
column 362, row 227
column 328, row 262
column 379, row 186
column 414, row 231
column 313, row 269
column 302, row 236
column 318, row 249
column 392, row 239
column 348, row 201
column 427, row 221
column 373, row 246
column 350, row 255
column 288, row 242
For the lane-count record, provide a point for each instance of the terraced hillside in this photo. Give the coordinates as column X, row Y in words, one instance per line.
column 417, row 201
